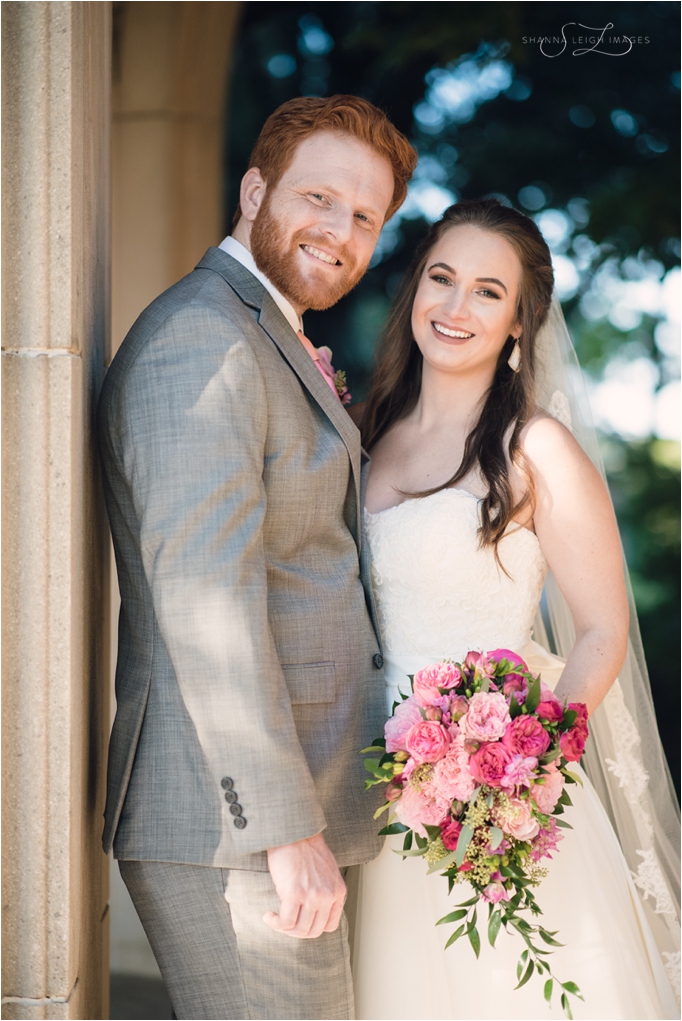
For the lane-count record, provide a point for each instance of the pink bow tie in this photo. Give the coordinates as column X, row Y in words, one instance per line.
column 322, row 359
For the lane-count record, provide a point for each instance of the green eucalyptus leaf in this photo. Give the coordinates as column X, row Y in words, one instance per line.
column 494, row 927
column 549, row 986
column 521, row 964
column 571, row 987
column 443, row 863
column 454, row 916
column 563, row 824
column 567, row 1007
column 475, row 941
column 433, row 831
column 529, row 971
column 414, row 853
column 533, row 696
column 407, row 843
column 573, row 777
column 463, row 842
column 455, row 936
column 496, row 837
column 548, row 938
column 380, row 811
column 390, row 831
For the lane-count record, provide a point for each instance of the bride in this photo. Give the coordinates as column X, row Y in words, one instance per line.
column 474, row 496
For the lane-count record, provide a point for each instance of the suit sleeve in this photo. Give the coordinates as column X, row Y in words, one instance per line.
column 194, row 423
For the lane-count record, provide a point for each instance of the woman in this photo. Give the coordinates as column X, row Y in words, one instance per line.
column 474, row 495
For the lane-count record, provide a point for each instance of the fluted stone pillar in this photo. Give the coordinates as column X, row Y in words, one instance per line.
column 55, row 304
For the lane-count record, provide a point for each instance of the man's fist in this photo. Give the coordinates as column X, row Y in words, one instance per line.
column 310, row 888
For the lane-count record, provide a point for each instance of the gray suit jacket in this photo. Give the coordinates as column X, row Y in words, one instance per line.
column 249, row 667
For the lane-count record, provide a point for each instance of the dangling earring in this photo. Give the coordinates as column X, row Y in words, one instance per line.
column 514, row 360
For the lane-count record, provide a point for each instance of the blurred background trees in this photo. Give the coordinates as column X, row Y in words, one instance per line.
column 587, row 143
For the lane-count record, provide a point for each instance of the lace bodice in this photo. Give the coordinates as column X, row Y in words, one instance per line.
column 438, row 594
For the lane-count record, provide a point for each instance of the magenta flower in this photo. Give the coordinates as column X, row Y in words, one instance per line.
column 526, row 736
column 489, row 763
column 549, row 707
column 450, row 831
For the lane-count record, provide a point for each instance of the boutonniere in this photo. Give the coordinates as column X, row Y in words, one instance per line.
column 338, row 378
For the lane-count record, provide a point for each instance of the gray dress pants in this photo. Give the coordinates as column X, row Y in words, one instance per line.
column 220, row 960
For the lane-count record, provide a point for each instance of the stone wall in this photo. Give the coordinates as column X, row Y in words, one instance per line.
column 55, row 304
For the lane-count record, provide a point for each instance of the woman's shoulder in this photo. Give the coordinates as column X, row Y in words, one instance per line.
column 544, row 437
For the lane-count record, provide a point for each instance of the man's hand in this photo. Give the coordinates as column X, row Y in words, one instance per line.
column 310, row 888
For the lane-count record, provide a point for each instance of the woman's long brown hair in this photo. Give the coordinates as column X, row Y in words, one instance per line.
column 396, row 382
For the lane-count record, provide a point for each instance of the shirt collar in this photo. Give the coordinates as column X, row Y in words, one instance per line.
column 237, row 250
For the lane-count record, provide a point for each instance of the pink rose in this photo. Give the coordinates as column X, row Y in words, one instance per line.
column 451, row 775
column 516, row 819
column 573, row 741
column 427, row 741
column 487, row 717
column 489, row 763
column 405, row 716
column 520, row 772
column 547, row 792
column 427, row 683
column 450, row 831
column 418, row 807
column 495, row 892
column 526, row 736
column 549, row 707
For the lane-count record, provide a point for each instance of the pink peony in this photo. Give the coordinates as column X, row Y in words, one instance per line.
column 495, row 892
column 549, row 708
column 405, row 716
column 547, row 793
column 487, row 717
column 451, row 775
column 489, row 763
column 427, row 741
column 515, row 818
column 427, row 683
column 546, row 841
column 418, row 807
column 520, row 772
column 526, row 736
column 515, row 684
column 450, row 831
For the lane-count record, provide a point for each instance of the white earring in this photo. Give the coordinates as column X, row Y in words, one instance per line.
column 514, row 360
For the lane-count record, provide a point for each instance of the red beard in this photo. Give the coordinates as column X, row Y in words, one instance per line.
column 276, row 257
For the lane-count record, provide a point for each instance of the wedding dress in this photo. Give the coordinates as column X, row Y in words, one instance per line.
column 438, row 595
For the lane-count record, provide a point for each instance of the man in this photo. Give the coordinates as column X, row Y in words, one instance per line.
column 249, row 671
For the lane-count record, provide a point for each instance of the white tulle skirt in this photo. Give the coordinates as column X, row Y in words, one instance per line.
column 401, row 970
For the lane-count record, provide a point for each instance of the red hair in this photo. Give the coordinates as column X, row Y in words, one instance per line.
column 292, row 122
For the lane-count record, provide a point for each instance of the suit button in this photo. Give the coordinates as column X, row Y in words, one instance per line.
column 230, row 797
column 378, row 660
column 236, row 809
column 239, row 821
column 227, row 783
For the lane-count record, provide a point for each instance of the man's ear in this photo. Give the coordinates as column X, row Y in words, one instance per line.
column 251, row 193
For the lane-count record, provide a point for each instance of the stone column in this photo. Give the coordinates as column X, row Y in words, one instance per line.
column 168, row 105
column 55, row 304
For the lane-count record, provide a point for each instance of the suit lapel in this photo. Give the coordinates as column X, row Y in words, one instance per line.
column 252, row 292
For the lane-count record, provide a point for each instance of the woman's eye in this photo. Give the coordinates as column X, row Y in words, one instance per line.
column 488, row 294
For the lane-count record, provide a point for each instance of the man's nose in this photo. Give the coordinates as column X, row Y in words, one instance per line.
column 337, row 224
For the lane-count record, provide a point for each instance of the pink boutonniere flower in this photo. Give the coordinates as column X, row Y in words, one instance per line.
column 339, row 378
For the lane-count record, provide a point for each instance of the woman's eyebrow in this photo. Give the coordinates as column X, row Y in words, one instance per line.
column 479, row 280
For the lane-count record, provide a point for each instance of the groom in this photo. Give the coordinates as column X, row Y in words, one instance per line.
column 249, row 669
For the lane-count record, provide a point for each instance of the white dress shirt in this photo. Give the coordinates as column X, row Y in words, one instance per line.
column 237, row 250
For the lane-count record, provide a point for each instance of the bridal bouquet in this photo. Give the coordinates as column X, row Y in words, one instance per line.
column 476, row 766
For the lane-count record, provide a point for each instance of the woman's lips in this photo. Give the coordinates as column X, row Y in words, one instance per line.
column 449, row 334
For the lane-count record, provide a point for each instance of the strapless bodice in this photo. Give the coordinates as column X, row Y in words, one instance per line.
column 438, row 593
